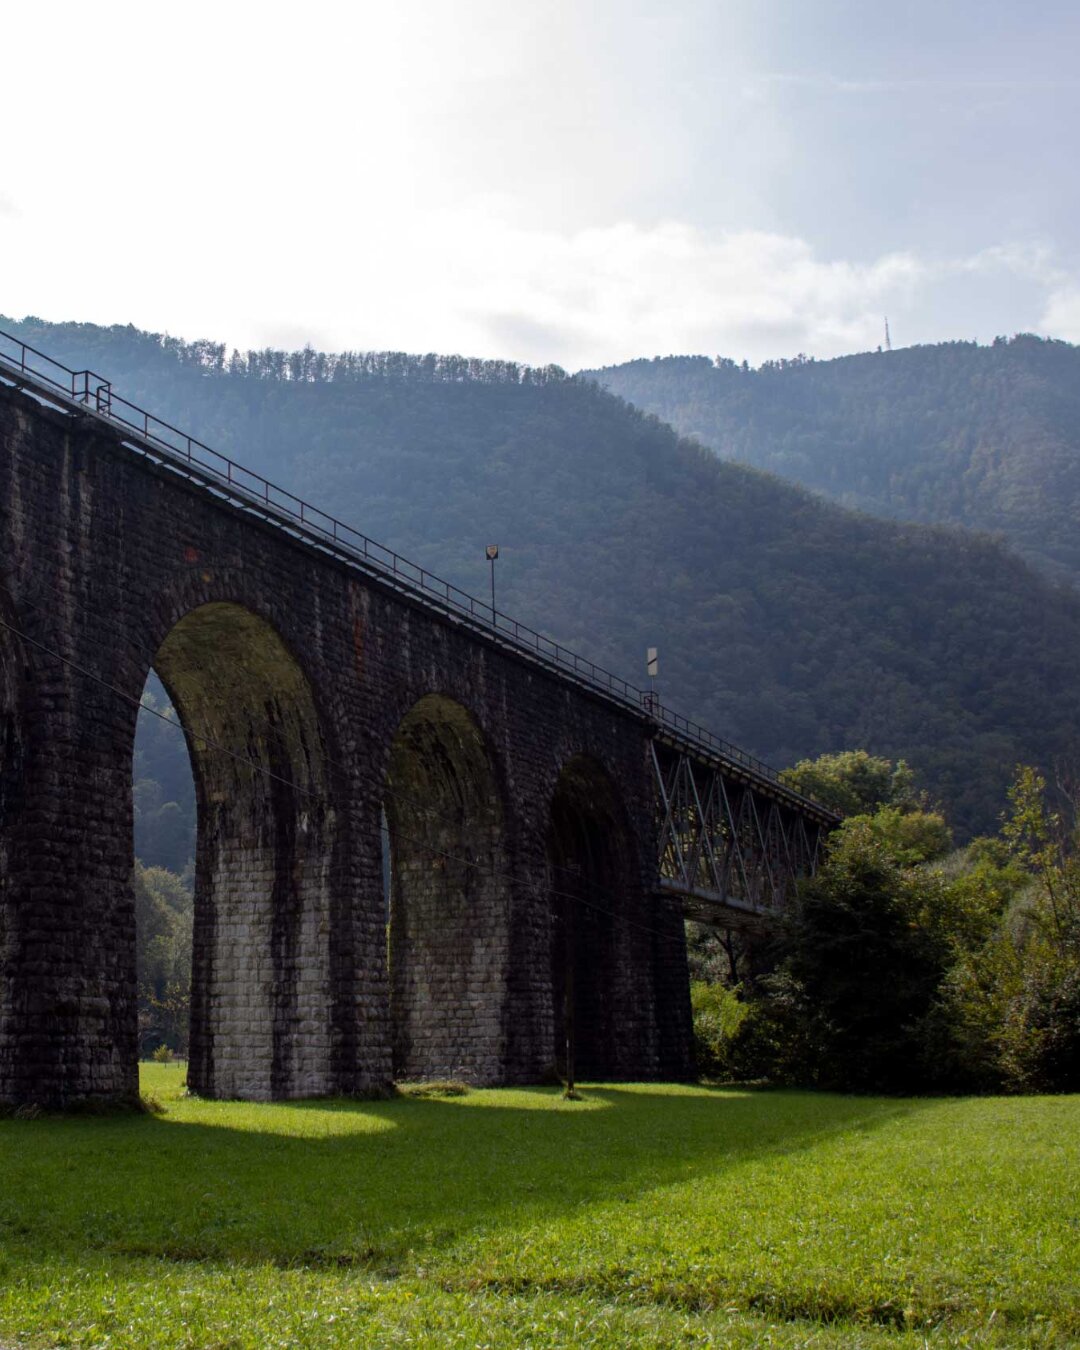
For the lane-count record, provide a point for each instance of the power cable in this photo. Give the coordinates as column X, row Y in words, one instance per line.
column 382, row 788
column 489, row 873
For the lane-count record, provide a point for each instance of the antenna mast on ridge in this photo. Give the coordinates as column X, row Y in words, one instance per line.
column 888, row 339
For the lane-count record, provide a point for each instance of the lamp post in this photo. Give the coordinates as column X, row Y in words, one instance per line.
column 491, row 553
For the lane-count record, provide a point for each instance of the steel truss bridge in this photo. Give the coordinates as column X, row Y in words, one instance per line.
column 732, row 839
column 730, row 844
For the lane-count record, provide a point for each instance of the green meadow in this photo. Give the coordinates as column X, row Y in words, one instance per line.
column 640, row 1215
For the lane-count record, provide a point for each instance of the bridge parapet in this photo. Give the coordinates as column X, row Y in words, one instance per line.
column 87, row 394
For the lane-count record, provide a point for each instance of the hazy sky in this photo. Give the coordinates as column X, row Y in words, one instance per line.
column 578, row 182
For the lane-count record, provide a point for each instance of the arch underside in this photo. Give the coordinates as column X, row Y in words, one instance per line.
column 261, row 1001
column 448, row 946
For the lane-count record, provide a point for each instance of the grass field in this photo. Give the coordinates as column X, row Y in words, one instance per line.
column 641, row 1215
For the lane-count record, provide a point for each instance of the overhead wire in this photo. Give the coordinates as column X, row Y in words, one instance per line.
column 186, row 727
column 380, row 785
column 485, row 871
column 383, row 788
column 151, row 656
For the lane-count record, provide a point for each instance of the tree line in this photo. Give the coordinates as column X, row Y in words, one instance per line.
column 785, row 624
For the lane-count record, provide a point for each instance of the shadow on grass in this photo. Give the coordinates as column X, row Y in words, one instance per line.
column 372, row 1184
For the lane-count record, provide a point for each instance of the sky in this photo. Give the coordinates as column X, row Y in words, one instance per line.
column 573, row 181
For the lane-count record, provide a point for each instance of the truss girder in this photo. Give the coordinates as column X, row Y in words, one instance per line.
column 728, row 844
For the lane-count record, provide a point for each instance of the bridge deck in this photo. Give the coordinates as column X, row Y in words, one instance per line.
column 83, row 393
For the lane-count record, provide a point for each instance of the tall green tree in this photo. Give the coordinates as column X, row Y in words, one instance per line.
column 163, row 923
column 1041, row 1034
column 861, row 960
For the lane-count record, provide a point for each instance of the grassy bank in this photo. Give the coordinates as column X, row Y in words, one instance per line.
column 643, row 1214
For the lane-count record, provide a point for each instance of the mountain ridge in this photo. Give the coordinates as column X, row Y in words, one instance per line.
column 986, row 437
column 785, row 623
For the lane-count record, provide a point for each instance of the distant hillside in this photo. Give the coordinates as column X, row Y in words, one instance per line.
column 784, row 622
column 987, row 437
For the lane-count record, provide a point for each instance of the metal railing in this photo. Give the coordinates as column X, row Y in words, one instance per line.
column 86, row 391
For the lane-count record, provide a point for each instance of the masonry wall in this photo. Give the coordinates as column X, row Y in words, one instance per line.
column 449, row 920
column 294, row 678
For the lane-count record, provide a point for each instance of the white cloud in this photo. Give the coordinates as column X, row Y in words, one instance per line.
column 468, row 281
column 1061, row 318
column 1031, row 260
column 468, row 278
column 558, row 183
column 604, row 295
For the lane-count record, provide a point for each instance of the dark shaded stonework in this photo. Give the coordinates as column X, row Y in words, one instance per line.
column 312, row 699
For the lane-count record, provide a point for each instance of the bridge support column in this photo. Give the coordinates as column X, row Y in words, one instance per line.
column 450, row 889
column 619, row 985
column 531, row 1051
column 671, row 980
column 67, row 920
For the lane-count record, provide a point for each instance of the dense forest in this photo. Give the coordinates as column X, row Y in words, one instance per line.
column 987, row 437
column 786, row 623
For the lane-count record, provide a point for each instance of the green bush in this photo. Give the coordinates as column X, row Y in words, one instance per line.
column 862, row 959
column 1040, row 1036
column 719, row 1016
column 854, row 783
column 908, row 837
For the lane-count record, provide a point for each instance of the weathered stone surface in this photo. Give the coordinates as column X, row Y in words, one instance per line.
column 312, row 699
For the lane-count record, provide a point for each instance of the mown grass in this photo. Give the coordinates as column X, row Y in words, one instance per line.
column 642, row 1215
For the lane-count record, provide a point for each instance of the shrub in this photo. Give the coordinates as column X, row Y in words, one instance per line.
column 719, row 1016
column 435, row 1087
column 854, row 782
column 908, row 837
column 1040, row 1036
column 864, row 955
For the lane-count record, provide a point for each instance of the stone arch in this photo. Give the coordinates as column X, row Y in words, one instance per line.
column 448, row 944
column 594, row 888
column 261, row 1001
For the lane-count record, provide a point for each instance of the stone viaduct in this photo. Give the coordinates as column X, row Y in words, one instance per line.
column 546, row 830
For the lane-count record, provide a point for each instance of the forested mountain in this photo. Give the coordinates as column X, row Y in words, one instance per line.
column 784, row 622
column 987, row 437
